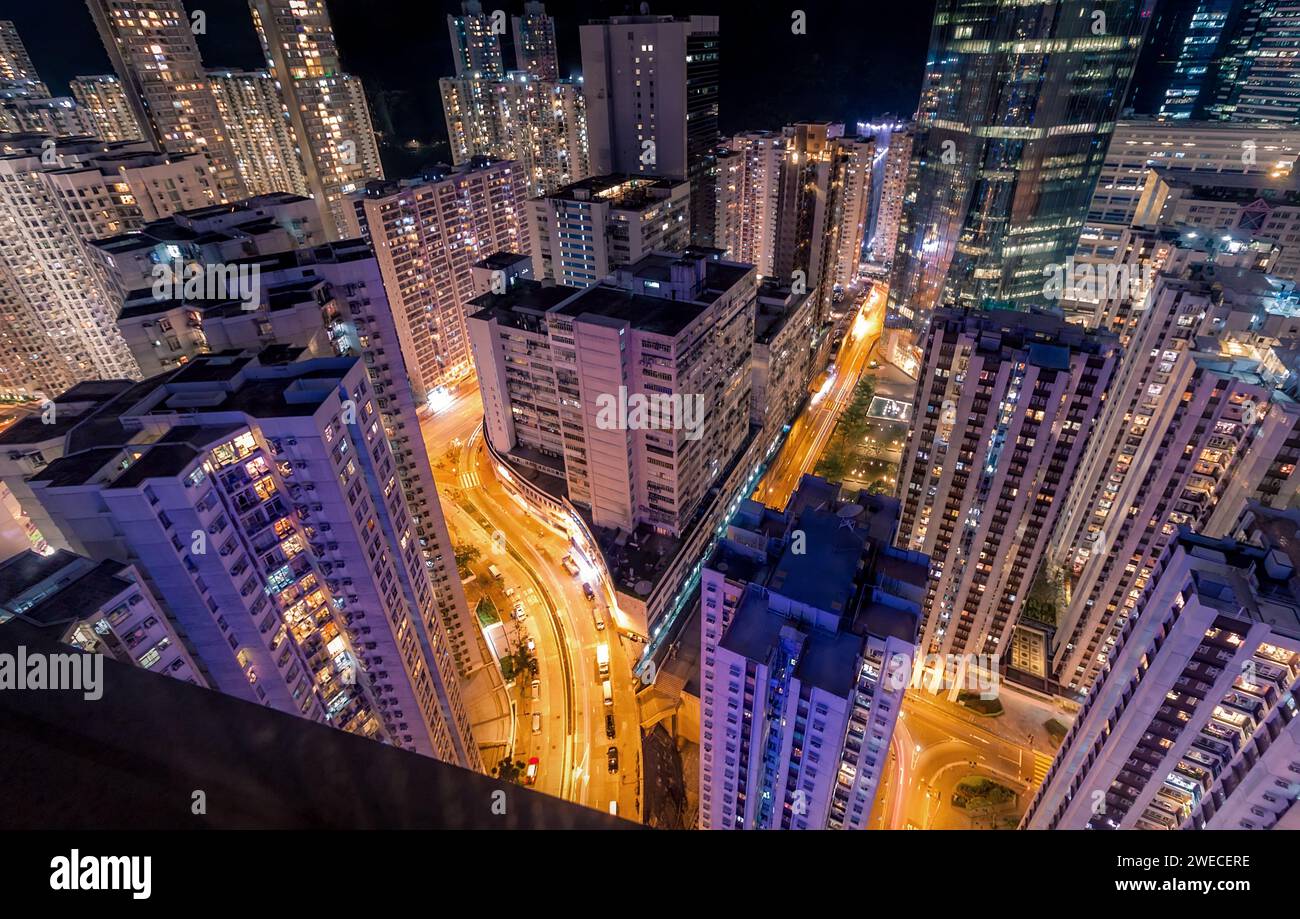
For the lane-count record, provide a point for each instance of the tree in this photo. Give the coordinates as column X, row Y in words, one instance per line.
column 466, row 555
column 509, row 771
column 523, row 659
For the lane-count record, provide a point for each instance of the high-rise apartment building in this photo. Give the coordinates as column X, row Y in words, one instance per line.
column 652, row 103
column 797, row 201
column 1140, row 145
column 580, row 233
column 849, row 204
column 327, row 108
column 260, row 131
column 103, row 99
column 212, row 235
column 1192, row 420
column 26, row 105
column 990, row 207
column 808, row 634
column 528, row 114
column 882, row 238
column 535, row 51
column 1255, row 205
column 259, row 496
column 154, row 53
column 476, row 41
column 15, row 63
column 541, row 124
column 784, row 332
column 102, row 608
column 53, row 201
column 329, row 299
column 1004, row 407
column 25, row 108
column 749, row 191
column 426, row 233
column 1192, row 723
column 561, row 371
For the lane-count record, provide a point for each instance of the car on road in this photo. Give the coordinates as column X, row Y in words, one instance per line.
column 531, row 644
column 532, row 666
column 530, row 774
column 510, row 591
column 519, row 611
column 536, row 686
column 611, row 756
column 569, row 565
column 537, row 722
column 587, row 591
column 609, row 726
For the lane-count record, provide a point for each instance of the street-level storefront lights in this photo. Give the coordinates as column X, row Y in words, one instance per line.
column 438, row 399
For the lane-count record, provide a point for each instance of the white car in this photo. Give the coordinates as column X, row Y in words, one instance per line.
column 532, row 645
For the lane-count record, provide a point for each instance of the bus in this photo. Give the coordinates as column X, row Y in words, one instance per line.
column 602, row 660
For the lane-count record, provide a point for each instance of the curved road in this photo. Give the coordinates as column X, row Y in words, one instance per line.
column 572, row 744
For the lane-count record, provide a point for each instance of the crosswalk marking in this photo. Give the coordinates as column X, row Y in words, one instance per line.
column 1042, row 763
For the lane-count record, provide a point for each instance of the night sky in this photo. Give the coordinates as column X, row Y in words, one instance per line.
column 858, row 61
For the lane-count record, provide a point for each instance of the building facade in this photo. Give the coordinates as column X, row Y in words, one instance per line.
column 155, row 55
column 53, row 202
column 327, row 108
column 427, row 232
column 652, row 103
column 1004, row 406
column 260, row 131
column 259, row 496
column 581, row 233
column 989, row 208
column 1192, row 724
column 562, row 372
column 808, row 624
column 104, row 100
column 102, row 608
column 541, row 124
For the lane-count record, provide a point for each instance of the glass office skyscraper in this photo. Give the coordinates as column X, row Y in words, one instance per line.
column 1019, row 102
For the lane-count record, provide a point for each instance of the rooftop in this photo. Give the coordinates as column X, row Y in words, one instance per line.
column 86, row 593
column 622, row 191
column 645, row 314
column 824, row 572
column 827, row 660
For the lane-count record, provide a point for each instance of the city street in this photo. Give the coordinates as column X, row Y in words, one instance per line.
column 938, row 743
column 572, row 743
column 813, row 428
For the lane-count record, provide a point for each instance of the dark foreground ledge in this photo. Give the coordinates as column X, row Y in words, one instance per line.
column 135, row 758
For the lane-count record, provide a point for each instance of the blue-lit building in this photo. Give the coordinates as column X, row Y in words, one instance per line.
column 808, row 628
